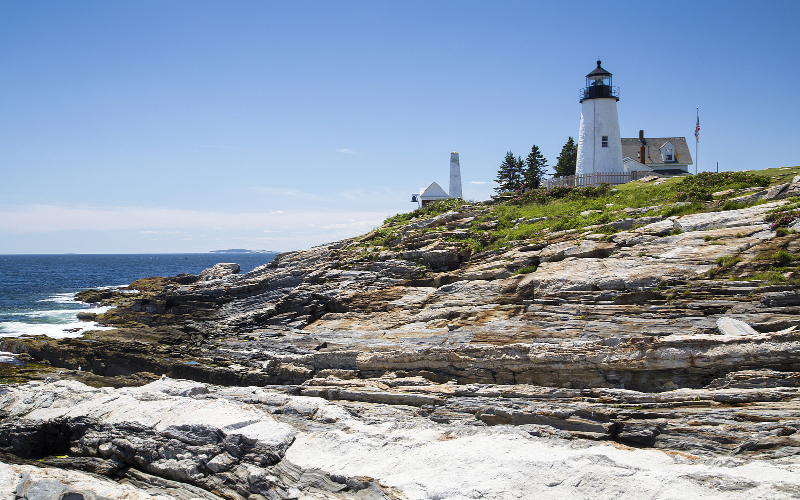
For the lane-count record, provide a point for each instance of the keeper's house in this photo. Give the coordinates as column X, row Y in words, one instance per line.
column 665, row 156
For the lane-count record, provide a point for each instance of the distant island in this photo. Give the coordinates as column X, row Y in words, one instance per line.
column 241, row 250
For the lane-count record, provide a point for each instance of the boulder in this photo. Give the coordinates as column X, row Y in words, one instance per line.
column 781, row 299
column 220, row 270
column 658, row 228
column 626, row 224
column 729, row 218
column 589, row 274
column 575, row 249
column 776, row 191
column 735, row 327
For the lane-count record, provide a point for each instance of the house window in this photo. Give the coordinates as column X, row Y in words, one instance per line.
column 604, row 141
column 668, row 155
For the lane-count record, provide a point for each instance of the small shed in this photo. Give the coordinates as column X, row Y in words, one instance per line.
column 432, row 193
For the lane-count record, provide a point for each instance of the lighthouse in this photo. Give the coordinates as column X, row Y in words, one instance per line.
column 599, row 144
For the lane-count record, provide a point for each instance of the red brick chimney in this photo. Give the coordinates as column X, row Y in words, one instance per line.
column 642, row 158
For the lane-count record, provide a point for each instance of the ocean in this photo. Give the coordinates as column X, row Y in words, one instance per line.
column 36, row 291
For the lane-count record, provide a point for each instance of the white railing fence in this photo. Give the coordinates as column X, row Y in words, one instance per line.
column 595, row 179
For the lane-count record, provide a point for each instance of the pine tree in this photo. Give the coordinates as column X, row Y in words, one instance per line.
column 535, row 166
column 568, row 159
column 509, row 177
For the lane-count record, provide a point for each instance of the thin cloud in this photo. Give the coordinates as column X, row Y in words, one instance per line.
column 279, row 191
column 52, row 218
column 477, row 182
column 347, row 151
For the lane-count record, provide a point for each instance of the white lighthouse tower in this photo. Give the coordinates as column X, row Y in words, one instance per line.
column 455, row 176
column 599, row 144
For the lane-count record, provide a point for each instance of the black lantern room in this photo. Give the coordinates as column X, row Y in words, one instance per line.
column 598, row 85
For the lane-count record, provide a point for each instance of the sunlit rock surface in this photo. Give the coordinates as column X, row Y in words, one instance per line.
column 407, row 438
column 641, row 359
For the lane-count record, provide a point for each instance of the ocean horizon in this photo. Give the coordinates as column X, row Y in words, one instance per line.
column 37, row 290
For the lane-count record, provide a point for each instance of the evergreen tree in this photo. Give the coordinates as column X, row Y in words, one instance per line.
column 534, row 169
column 567, row 159
column 509, row 177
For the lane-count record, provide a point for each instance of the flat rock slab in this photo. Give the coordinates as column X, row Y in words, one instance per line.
column 729, row 218
column 733, row 326
column 607, row 274
column 377, row 443
column 27, row 482
column 451, row 462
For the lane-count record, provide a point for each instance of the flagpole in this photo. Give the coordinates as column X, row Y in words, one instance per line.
column 696, row 142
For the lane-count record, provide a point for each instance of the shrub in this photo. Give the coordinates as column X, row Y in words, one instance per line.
column 774, row 277
column 607, row 230
column 431, row 209
column 544, row 195
column 699, row 187
column 782, row 257
column 733, row 205
column 384, row 236
column 525, row 270
column 781, row 217
column 727, row 261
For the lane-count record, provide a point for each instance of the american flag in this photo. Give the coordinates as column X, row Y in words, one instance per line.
column 697, row 128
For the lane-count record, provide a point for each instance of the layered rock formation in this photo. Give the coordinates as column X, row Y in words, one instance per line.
column 403, row 439
column 629, row 359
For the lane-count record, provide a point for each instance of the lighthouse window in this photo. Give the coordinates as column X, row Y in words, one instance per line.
column 604, row 142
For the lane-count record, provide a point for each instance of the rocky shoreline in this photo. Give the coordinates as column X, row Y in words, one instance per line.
column 634, row 358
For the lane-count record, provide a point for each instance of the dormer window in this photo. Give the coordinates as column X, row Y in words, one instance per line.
column 604, row 141
column 668, row 152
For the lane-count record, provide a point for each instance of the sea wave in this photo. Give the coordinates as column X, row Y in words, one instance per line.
column 60, row 315
column 54, row 330
column 61, row 298
column 8, row 357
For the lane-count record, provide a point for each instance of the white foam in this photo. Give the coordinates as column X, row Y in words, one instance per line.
column 63, row 315
column 61, row 298
column 8, row 357
column 55, row 330
column 56, row 323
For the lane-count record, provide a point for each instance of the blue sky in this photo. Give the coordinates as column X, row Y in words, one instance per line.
column 171, row 126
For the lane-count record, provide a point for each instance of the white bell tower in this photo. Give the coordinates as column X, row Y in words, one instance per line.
column 455, row 176
column 599, row 143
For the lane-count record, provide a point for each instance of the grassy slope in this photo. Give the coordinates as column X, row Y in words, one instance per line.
column 564, row 214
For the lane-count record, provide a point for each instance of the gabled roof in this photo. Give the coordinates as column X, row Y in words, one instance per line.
column 652, row 153
column 598, row 71
column 434, row 191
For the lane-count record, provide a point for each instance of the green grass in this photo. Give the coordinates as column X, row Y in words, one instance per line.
column 701, row 186
column 435, row 208
column 774, row 277
column 733, row 205
column 608, row 230
column 564, row 213
column 524, row 270
column 782, row 257
column 727, row 261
